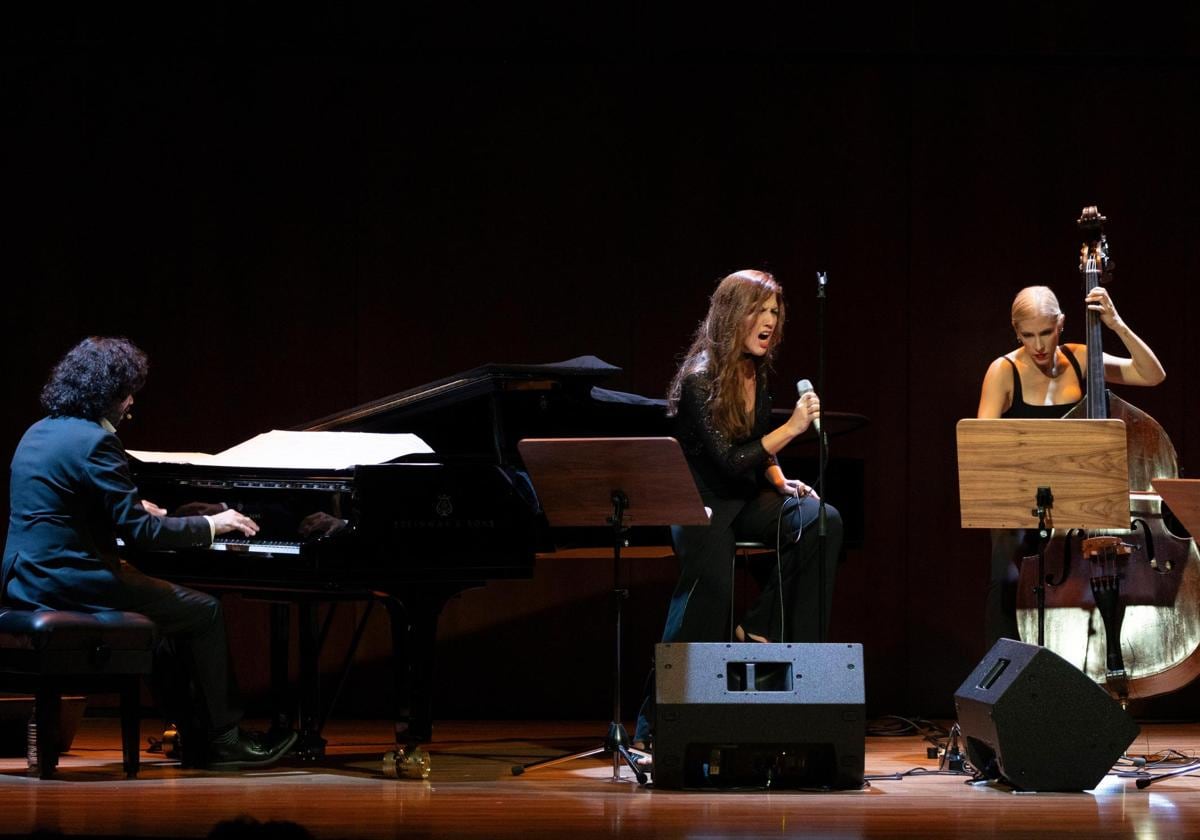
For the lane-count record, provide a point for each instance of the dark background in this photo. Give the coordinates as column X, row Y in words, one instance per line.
column 294, row 213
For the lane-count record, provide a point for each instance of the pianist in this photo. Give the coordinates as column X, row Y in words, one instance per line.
column 71, row 497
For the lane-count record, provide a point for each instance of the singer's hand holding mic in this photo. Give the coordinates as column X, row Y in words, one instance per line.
column 807, row 410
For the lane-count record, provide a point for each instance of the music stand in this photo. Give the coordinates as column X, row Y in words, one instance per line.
column 618, row 482
column 1182, row 495
column 1043, row 474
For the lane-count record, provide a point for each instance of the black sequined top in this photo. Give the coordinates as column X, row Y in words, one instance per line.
column 722, row 467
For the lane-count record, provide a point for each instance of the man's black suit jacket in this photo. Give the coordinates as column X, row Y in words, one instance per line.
column 71, row 496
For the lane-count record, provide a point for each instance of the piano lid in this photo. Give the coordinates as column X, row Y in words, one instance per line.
column 484, row 412
column 580, row 372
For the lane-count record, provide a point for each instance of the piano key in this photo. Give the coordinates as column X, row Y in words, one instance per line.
column 256, row 546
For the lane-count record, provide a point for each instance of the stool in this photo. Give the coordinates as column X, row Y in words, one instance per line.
column 741, row 548
column 49, row 653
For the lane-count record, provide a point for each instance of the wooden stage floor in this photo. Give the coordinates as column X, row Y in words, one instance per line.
column 472, row 793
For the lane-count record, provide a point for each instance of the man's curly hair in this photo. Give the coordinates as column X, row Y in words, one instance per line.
column 95, row 375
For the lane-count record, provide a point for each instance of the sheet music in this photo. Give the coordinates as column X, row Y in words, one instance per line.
column 301, row 450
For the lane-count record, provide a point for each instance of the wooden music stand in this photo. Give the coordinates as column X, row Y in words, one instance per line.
column 1183, row 497
column 618, row 482
column 1043, row 474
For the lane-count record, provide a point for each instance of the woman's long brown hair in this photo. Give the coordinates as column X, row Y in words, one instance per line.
column 719, row 345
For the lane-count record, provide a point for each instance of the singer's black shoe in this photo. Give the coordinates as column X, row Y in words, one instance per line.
column 248, row 750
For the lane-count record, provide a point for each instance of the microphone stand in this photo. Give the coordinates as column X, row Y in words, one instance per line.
column 822, row 453
column 1045, row 501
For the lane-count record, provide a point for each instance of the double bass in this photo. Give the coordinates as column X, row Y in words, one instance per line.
column 1122, row 606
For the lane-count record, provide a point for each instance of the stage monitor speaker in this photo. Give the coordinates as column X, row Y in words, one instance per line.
column 758, row 716
column 1035, row 721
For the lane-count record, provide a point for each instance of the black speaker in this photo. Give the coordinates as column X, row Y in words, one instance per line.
column 1035, row 721
column 759, row 716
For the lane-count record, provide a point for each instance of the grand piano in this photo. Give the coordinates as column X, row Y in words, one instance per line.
column 418, row 531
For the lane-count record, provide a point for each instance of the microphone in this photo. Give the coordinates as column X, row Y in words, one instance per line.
column 804, row 387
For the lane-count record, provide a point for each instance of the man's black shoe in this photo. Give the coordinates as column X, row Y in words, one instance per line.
column 249, row 751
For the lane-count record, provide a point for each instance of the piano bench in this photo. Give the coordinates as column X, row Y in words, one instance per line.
column 49, row 653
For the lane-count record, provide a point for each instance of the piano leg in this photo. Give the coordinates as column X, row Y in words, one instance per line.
column 310, row 744
column 281, row 626
column 414, row 634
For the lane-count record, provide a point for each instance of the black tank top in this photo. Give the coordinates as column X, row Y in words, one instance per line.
column 1021, row 410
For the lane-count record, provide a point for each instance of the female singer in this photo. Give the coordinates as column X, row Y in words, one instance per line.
column 722, row 405
column 1042, row 378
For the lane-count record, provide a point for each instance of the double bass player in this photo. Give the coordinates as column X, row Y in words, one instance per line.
column 1044, row 378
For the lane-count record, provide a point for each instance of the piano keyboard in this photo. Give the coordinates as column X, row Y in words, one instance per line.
column 255, row 546
column 247, row 546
